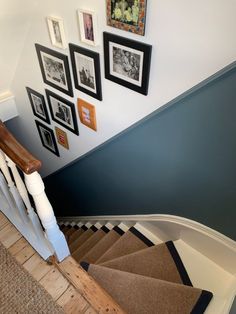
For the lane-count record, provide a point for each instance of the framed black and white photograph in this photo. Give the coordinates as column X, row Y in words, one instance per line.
column 127, row 62
column 128, row 15
column 62, row 111
column 47, row 137
column 56, row 31
column 55, row 69
column 38, row 104
column 88, row 27
column 86, row 71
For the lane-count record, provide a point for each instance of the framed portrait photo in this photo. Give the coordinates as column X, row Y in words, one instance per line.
column 128, row 15
column 87, row 114
column 62, row 111
column 86, row 71
column 47, row 137
column 127, row 62
column 88, row 27
column 38, row 105
column 55, row 69
column 56, row 31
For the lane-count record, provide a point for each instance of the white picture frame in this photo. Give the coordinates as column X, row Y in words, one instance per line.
column 56, row 32
column 88, row 27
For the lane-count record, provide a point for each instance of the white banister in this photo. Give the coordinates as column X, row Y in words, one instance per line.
column 25, row 197
column 17, row 203
column 35, row 186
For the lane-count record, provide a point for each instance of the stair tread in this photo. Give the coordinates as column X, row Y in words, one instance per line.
column 129, row 242
column 88, row 244
column 75, row 235
column 149, row 295
column 102, row 246
column 81, row 239
column 161, row 261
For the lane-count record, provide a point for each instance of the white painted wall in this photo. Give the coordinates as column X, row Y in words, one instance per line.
column 15, row 18
column 191, row 40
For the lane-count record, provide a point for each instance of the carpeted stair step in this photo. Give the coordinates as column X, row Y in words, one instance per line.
column 103, row 245
column 84, row 248
column 76, row 234
column 82, row 238
column 161, row 261
column 138, row 294
column 130, row 242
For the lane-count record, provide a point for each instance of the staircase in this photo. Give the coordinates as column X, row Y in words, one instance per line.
column 145, row 271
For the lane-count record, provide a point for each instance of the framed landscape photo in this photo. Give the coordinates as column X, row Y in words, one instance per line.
column 128, row 15
column 86, row 71
column 88, row 27
column 87, row 114
column 55, row 69
column 127, row 62
column 56, row 31
column 62, row 111
column 38, row 104
column 47, row 137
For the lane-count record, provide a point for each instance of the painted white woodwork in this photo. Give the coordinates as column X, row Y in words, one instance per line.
column 8, row 109
column 41, row 245
column 35, row 186
column 209, row 256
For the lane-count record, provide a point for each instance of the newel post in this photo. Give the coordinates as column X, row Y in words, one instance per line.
column 45, row 212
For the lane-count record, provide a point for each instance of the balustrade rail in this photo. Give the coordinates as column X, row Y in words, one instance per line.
column 15, row 202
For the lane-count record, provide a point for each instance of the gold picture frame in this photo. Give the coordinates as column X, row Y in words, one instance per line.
column 87, row 114
column 62, row 137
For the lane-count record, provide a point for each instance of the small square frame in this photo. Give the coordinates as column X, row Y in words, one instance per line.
column 87, row 114
column 62, row 137
column 127, row 62
column 47, row 138
column 62, row 111
column 129, row 16
column 86, row 61
column 88, row 27
column 56, row 31
column 38, row 105
column 55, row 69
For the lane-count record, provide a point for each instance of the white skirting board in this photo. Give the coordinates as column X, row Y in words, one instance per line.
column 8, row 108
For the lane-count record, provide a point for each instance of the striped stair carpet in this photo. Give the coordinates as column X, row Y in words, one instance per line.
column 141, row 276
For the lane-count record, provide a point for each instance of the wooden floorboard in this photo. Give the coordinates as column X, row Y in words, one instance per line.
column 56, row 283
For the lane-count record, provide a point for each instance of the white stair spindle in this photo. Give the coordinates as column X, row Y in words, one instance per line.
column 44, row 209
column 25, row 197
column 16, row 203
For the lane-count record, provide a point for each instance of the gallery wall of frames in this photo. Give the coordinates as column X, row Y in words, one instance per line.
column 90, row 69
column 126, row 62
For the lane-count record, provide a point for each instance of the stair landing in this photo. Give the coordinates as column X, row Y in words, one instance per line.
column 57, row 285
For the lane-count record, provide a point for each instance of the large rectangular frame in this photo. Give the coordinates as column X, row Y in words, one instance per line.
column 127, row 62
column 91, row 63
column 55, row 69
column 62, row 111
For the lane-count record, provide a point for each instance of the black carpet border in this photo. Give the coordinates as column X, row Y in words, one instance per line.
column 202, row 302
column 141, row 236
column 179, row 264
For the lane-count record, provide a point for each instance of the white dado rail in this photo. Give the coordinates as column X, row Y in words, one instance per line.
column 8, row 108
column 15, row 202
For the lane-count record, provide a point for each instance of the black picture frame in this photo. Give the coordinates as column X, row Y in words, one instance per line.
column 127, row 62
column 55, row 69
column 62, row 111
column 47, row 138
column 86, row 70
column 38, row 105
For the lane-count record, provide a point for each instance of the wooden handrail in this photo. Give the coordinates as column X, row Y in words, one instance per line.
column 16, row 152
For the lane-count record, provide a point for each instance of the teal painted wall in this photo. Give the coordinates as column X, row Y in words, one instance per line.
column 179, row 161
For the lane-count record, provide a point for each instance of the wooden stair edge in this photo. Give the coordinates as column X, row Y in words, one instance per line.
column 99, row 299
